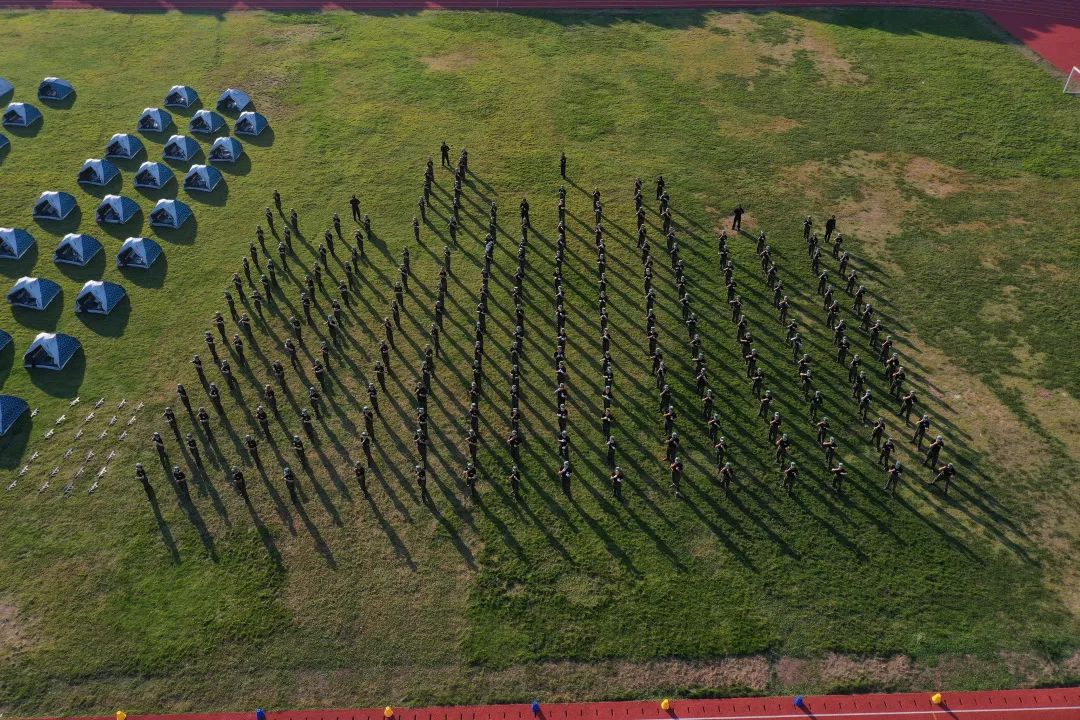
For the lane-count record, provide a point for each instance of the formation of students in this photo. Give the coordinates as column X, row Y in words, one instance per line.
column 258, row 285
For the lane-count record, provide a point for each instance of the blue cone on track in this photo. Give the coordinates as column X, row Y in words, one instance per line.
column 260, row 714
column 800, row 701
column 535, row 707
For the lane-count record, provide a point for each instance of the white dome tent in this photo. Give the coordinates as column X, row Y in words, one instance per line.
column 99, row 298
column 138, row 252
column 76, row 249
column 154, row 120
column 33, row 293
column 51, row 351
column 98, row 172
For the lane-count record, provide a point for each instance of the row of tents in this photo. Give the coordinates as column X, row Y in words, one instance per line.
column 52, row 89
column 96, row 296
column 207, row 122
column 125, row 146
column 119, row 209
column 80, row 249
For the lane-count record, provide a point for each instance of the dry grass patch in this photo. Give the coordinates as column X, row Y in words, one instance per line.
column 935, row 179
column 14, row 633
column 450, row 62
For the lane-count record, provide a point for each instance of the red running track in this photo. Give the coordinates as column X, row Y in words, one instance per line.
column 1049, row 27
column 1040, row 704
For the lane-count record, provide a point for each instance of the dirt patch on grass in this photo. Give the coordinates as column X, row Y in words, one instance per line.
column 846, row 672
column 933, row 178
column 450, row 62
column 1056, row 410
column 731, row 43
column 14, row 634
column 1004, row 308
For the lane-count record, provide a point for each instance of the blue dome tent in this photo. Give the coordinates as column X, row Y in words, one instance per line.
column 99, row 297
column 5, row 339
column 21, row 115
column 123, row 146
column 116, row 209
column 53, row 205
column 11, row 409
column 6, row 87
column 33, row 293
column 138, row 252
column 202, row 178
column 251, row 123
column 50, row 351
column 180, row 148
column 233, row 100
column 14, row 243
column 206, row 122
column 154, row 120
column 76, row 249
column 98, row 172
column 169, row 214
column 55, row 89
column 226, row 149
column 181, row 96
column 152, row 175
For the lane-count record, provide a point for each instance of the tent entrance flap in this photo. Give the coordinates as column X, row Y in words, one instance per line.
column 39, row 356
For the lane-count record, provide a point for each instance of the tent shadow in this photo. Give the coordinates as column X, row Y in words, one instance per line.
column 183, row 235
column 22, row 266
column 131, row 164
column 158, row 137
column 65, row 104
column 111, row 325
column 40, row 319
column 122, row 231
column 4, row 152
column 13, row 445
column 264, row 139
column 61, row 383
column 180, row 167
column 81, row 273
column 7, row 361
column 217, row 197
column 185, row 112
column 164, row 193
column 242, row 166
column 67, row 225
column 26, row 132
column 153, row 277
column 112, row 187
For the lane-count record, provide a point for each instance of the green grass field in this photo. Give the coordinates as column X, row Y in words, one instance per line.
column 949, row 158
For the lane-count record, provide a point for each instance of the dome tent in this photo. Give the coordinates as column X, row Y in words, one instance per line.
column 226, row 149
column 123, row 146
column 180, row 147
column 181, row 96
column 138, row 252
column 11, row 409
column 251, row 123
column 152, row 175
column 55, row 89
column 99, row 297
column 202, row 178
column 206, row 122
column 116, row 209
column 5, row 339
column 233, row 100
column 98, row 172
column 14, row 243
column 154, row 120
column 52, row 205
column 169, row 214
column 33, row 293
column 4, row 143
column 50, row 351
column 76, row 249
column 6, row 87
column 21, row 115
